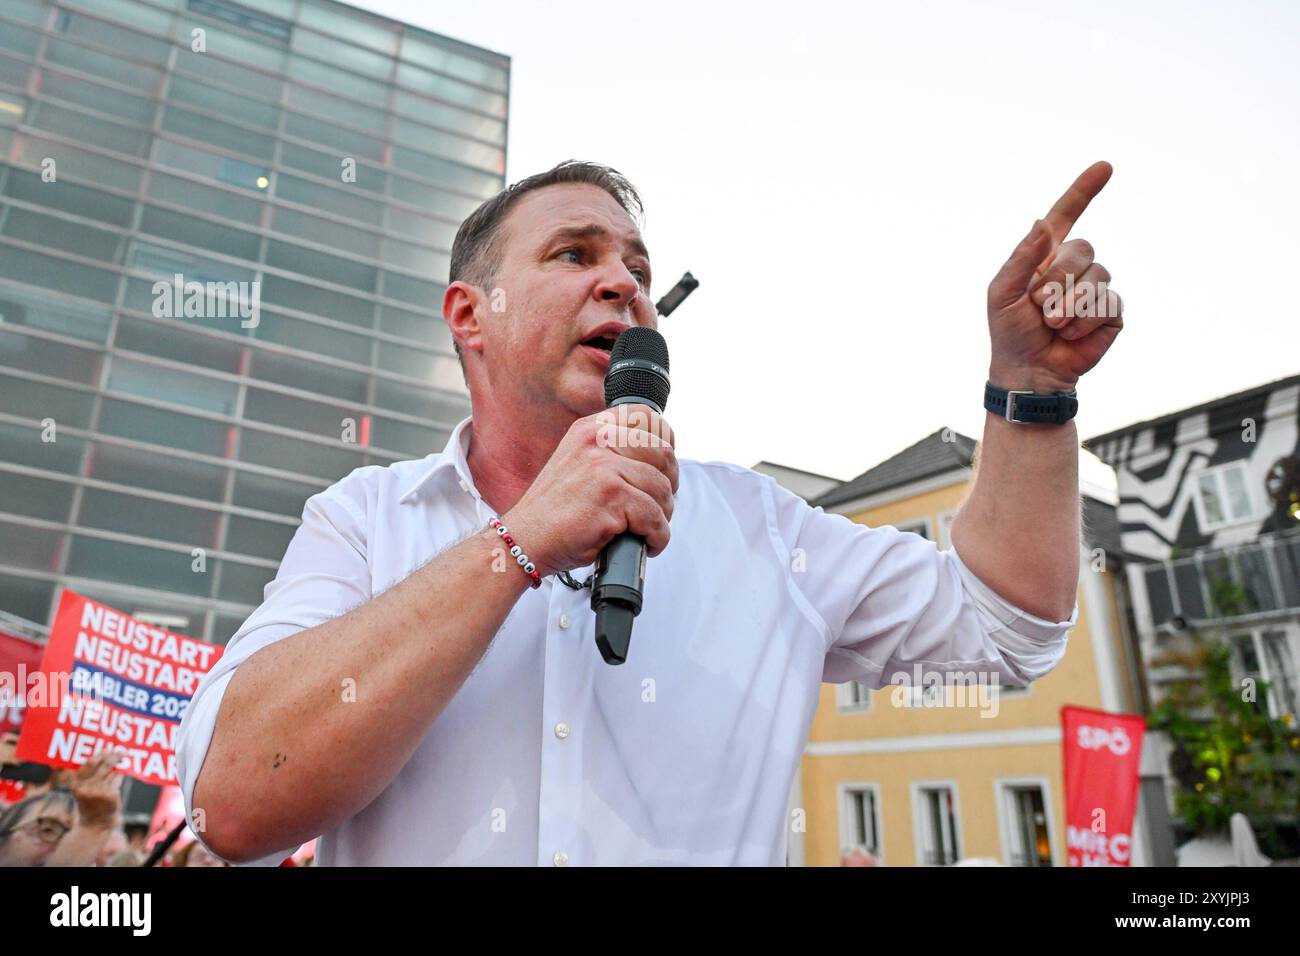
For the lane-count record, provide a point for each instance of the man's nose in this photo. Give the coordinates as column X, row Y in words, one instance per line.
column 617, row 284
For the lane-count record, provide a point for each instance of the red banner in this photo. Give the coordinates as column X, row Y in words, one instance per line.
column 19, row 658
column 109, row 680
column 1102, row 755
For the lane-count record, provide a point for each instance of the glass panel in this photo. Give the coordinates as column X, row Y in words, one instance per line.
column 155, row 471
column 413, row 440
column 1210, row 498
column 1247, row 659
column 276, row 495
column 432, row 232
column 91, row 129
column 137, row 565
column 34, row 268
column 321, row 265
column 1188, row 578
column 137, row 14
column 310, row 337
column 198, row 162
column 33, row 309
column 418, row 259
column 349, row 143
column 147, row 518
column 329, row 78
column 175, row 386
column 309, row 376
column 1282, row 674
column 286, row 411
column 166, row 263
column 224, row 135
column 328, row 199
column 31, row 354
column 419, row 136
column 446, row 173
column 14, row 72
column 1216, row 570
column 28, row 11
column 22, row 445
column 328, row 233
column 343, row 54
column 74, row 163
column 421, row 402
column 425, row 50
column 306, row 458
column 352, row 25
column 329, row 166
column 452, row 91
column 200, row 233
column 1287, row 554
column 137, row 46
column 216, row 67
column 99, row 98
column 260, row 539
column 317, row 301
column 437, row 371
column 244, row 583
column 69, row 197
column 35, row 497
column 19, row 39
column 219, row 202
column 26, row 597
column 133, row 76
column 429, row 329
column 38, row 401
column 34, row 548
column 233, row 106
column 1256, row 580
column 1238, row 497
column 429, row 199
column 424, row 293
column 362, row 116
column 1162, row 608
column 159, row 427
column 153, row 338
column 64, row 235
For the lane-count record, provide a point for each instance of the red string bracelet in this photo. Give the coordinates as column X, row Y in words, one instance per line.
column 517, row 552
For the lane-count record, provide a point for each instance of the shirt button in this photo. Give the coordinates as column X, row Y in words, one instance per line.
column 561, row 730
column 560, row 858
column 564, row 621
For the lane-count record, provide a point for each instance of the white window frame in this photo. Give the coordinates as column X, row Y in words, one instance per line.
column 945, row 528
column 919, row 526
column 1217, row 473
column 843, row 802
column 1002, row 792
column 1291, row 631
column 920, row 817
column 844, row 697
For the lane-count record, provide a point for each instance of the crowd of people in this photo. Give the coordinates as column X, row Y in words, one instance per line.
column 74, row 818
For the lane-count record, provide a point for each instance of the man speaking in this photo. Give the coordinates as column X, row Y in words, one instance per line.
column 421, row 684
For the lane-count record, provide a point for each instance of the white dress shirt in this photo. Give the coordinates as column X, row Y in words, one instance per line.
column 686, row 753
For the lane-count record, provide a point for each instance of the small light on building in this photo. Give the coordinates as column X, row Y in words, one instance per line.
column 263, row 182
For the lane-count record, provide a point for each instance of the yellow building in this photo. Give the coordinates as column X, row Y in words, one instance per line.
column 930, row 779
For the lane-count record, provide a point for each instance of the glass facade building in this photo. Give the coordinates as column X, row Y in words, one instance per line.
column 160, row 429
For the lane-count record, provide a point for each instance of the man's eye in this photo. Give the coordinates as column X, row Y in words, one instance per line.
column 641, row 276
column 571, row 252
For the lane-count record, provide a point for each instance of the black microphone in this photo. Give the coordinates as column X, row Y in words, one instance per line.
column 638, row 373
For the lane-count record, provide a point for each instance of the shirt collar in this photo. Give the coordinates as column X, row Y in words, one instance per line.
column 454, row 456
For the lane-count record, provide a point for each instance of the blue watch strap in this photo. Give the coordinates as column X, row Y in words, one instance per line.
column 1027, row 408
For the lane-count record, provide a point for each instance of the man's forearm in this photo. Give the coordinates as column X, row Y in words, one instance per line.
column 293, row 754
column 1018, row 530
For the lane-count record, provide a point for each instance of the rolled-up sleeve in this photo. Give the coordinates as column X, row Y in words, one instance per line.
column 324, row 573
column 888, row 601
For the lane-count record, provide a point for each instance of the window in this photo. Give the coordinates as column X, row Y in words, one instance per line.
column 73, row 278
column 919, row 526
column 39, row 401
column 63, row 235
column 1026, row 835
column 35, row 497
column 1223, row 496
column 1269, row 656
column 98, row 98
column 147, row 518
column 78, row 200
column 860, row 817
column 91, row 129
column 23, row 307
column 137, row 468
column 174, row 386
column 852, row 696
column 55, row 359
column 934, row 810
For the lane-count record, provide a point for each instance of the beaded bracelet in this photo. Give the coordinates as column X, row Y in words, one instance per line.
column 517, row 552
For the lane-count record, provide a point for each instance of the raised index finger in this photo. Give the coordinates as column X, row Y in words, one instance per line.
column 1062, row 217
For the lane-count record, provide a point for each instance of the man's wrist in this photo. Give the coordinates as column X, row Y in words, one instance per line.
column 1021, row 379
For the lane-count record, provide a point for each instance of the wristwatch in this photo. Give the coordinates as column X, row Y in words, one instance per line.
column 1028, row 408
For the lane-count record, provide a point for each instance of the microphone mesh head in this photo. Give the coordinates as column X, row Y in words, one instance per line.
column 638, row 342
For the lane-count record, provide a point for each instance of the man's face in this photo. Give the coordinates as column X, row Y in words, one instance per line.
column 572, row 268
column 36, row 836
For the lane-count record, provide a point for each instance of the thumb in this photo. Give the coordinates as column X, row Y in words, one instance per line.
column 1012, row 280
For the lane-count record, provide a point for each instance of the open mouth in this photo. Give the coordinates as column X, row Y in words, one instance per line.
column 603, row 342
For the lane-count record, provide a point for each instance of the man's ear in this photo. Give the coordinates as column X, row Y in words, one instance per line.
column 462, row 304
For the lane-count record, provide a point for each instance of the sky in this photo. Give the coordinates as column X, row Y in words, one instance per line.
column 844, row 179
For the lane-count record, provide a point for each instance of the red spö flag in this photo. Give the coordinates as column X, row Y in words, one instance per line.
column 112, row 681
column 1102, row 754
